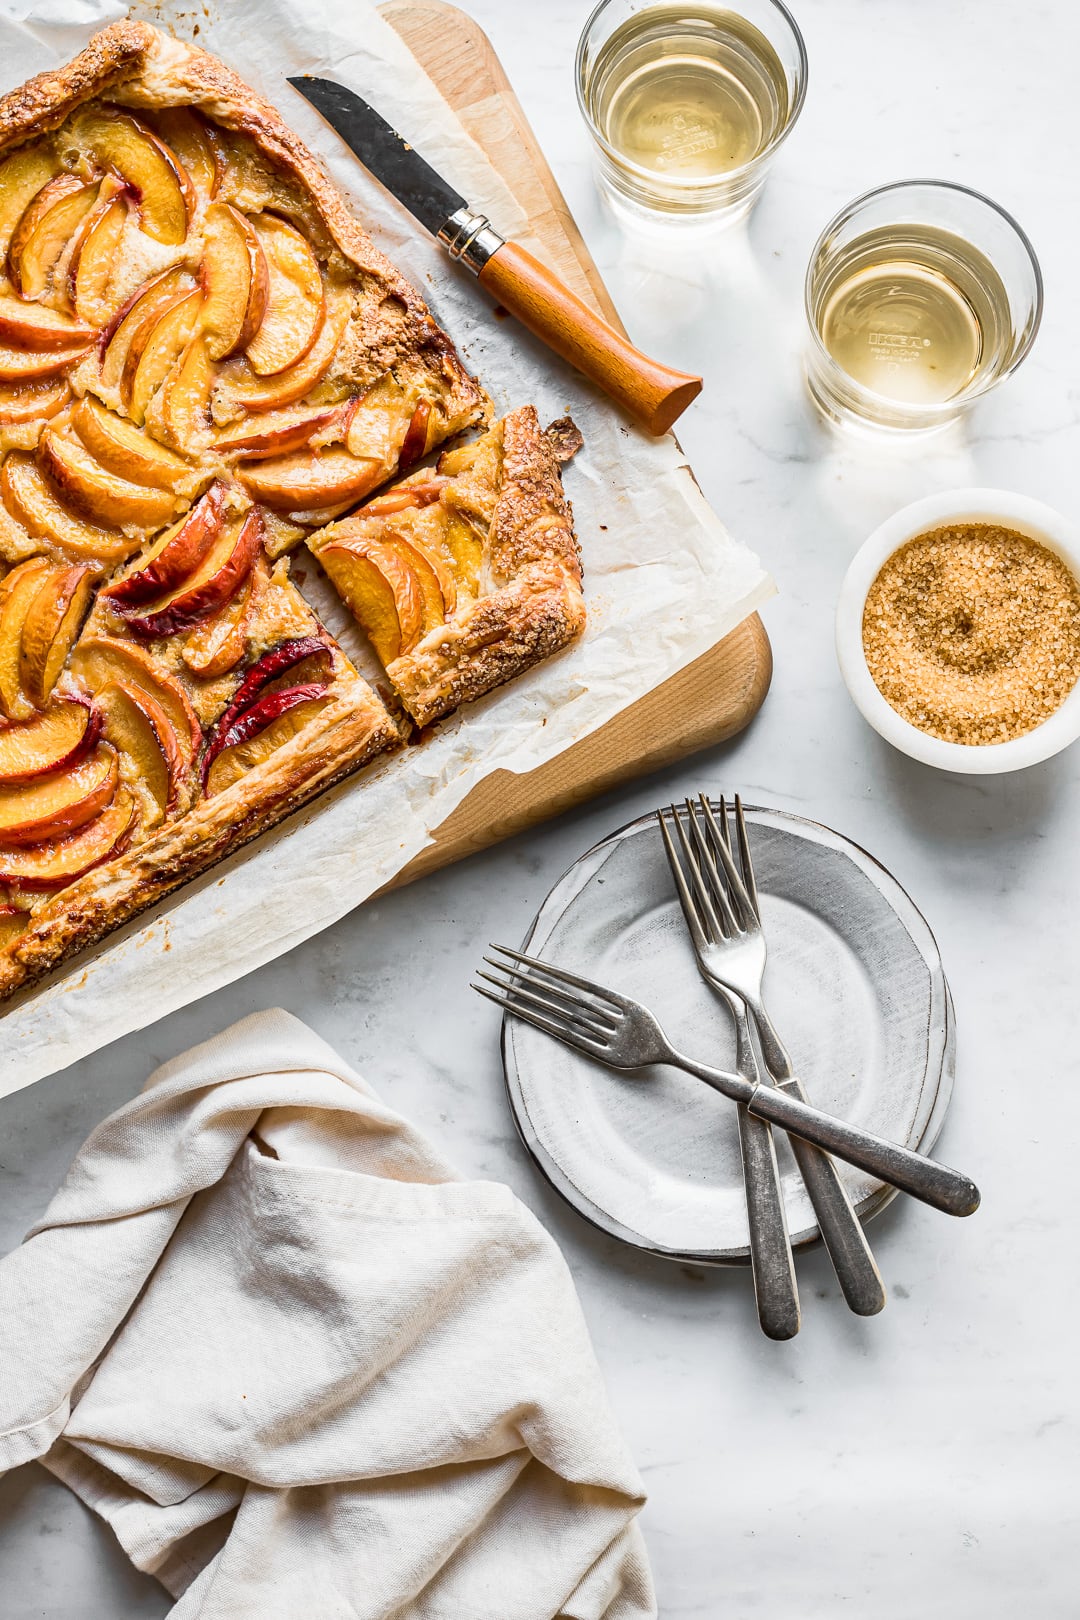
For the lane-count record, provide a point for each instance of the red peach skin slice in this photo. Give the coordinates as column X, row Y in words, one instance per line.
column 121, row 142
column 260, row 731
column 60, row 861
column 215, row 582
column 55, row 806
column 175, row 556
column 48, row 742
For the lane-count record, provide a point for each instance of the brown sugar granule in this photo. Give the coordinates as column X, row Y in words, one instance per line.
column 972, row 633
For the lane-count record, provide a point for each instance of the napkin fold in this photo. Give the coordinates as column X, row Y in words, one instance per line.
column 304, row 1371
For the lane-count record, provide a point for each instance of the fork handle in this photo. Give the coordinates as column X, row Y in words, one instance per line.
column 923, row 1178
column 840, row 1227
column 775, row 1288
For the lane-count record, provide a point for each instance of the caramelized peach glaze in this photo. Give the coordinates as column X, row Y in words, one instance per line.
column 195, row 378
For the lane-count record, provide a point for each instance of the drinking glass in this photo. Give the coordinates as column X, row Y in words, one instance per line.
column 920, row 297
column 687, row 104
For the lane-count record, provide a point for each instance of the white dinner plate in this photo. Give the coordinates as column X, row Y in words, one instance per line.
column 855, row 986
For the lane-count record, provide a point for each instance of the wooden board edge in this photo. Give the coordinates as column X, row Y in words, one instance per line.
column 624, row 749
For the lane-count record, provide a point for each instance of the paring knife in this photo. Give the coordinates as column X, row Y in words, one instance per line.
column 654, row 394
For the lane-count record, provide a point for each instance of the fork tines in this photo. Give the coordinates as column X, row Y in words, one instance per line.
column 719, row 901
column 549, row 997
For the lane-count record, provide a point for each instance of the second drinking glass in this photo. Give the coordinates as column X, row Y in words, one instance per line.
column 921, row 297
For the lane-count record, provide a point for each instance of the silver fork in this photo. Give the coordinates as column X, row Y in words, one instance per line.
column 622, row 1033
column 775, row 1288
column 723, row 914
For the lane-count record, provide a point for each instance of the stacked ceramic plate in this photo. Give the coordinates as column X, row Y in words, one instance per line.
column 854, row 984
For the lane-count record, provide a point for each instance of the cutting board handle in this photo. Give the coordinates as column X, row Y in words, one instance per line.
column 652, row 393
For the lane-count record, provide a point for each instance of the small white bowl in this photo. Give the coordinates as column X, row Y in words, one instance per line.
column 999, row 506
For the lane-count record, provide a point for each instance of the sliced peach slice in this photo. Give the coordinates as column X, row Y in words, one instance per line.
column 260, row 731
column 25, row 365
column 235, row 280
column 15, row 544
column 48, row 742
column 304, row 481
column 196, row 146
column 153, row 297
column 274, row 393
column 216, row 581
column 34, row 326
column 53, row 621
column 122, row 142
column 302, row 658
column 422, row 493
column 93, row 254
column 122, row 449
column 45, row 230
column 382, row 591
column 54, row 864
column 97, row 660
column 17, row 592
column 185, row 408
column 22, row 176
column 137, row 725
column 34, row 401
column 218, row 645
column 414, row 444
column 466, row 546
column 276, row 433
column 54, row 806
column 175, row 556
column 31, row 501
column 380, row 421
column 438, row 588
column 93, row 490
column 295, row 300
column 155, row 348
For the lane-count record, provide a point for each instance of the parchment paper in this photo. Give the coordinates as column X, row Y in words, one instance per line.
column 664, row 579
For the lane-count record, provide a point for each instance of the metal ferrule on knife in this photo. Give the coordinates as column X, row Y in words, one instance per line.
column 470, row 238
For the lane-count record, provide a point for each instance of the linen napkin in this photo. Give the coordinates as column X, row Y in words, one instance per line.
column 304, row 1371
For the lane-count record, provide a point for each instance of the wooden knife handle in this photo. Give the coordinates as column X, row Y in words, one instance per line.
column 654, row 394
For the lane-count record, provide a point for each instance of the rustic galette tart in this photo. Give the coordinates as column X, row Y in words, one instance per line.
column 204, row 364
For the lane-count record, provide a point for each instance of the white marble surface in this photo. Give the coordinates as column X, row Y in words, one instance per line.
column 922, row 1462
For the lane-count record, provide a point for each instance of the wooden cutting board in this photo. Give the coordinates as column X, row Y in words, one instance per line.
column 718, row 693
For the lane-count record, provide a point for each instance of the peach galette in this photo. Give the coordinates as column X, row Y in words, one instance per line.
column 466, row 575
column 204, row 364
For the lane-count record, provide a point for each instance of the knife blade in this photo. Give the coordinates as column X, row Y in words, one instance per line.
column 655, row 394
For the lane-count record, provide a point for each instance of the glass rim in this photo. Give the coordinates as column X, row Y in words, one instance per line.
column 947, row 407
column 800, row 80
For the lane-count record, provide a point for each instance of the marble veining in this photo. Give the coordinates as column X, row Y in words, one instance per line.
column 921, row 1463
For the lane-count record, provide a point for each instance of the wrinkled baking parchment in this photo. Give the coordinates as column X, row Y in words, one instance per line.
column 664, row 579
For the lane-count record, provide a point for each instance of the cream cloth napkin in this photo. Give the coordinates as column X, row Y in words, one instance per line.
column 303, row 1371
